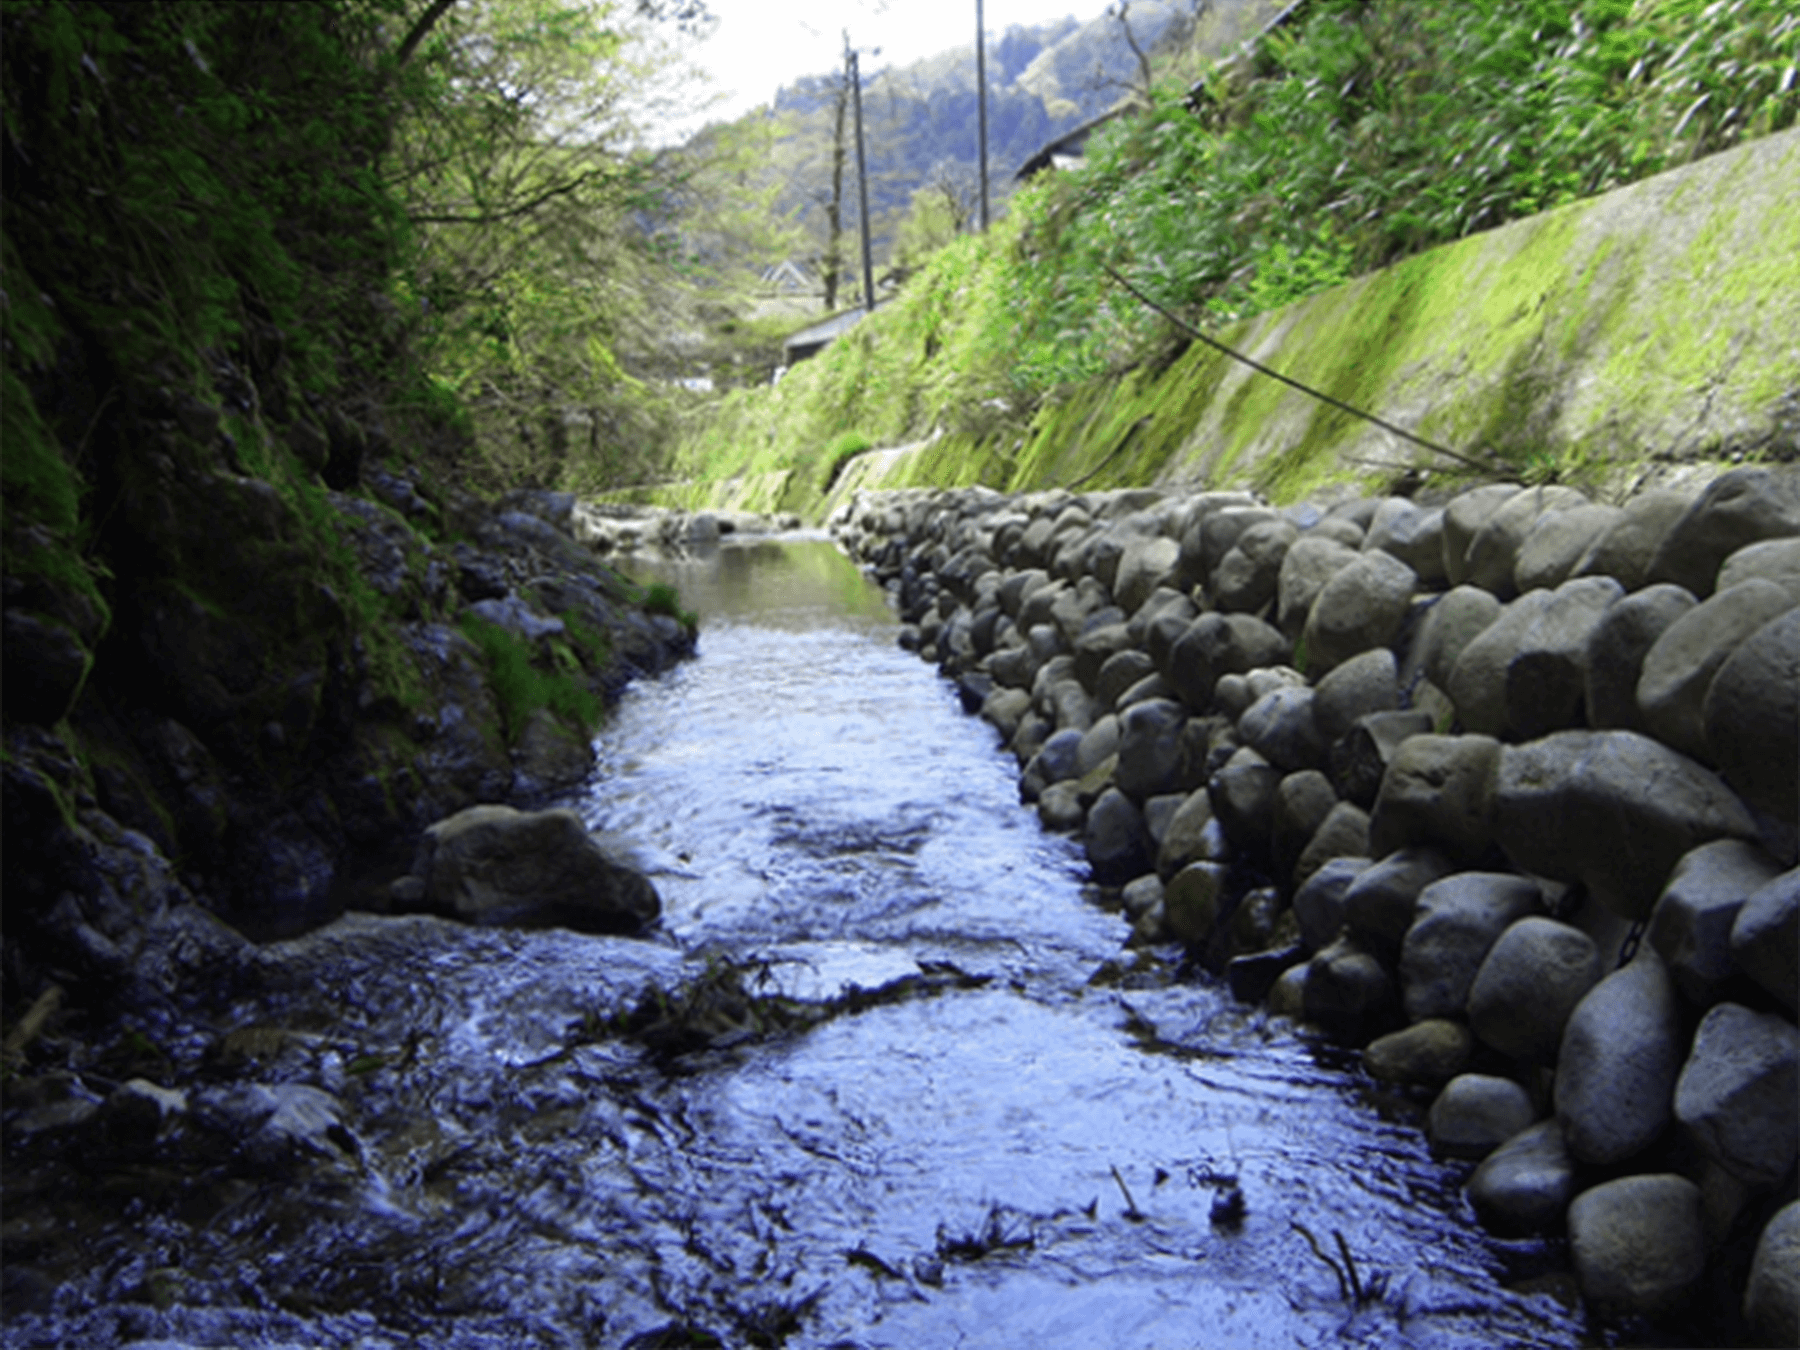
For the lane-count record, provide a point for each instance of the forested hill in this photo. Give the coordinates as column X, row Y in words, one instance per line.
column 922, row 119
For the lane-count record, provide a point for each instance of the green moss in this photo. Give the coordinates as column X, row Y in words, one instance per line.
column 662, row 598
column 38, row 482
column 1555, row 349
column 591, row 645
column 127, row 768
column 840, row 452
column 1052, row 453
column 521, row 688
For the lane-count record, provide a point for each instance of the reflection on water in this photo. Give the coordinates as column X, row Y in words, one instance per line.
column 996, row 1151
column 791, row 582
column 808, row 793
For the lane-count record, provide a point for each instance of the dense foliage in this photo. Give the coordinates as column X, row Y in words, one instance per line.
column 231, row 590
column 191, row 196
column 433, row 217
column 251, row 248
column 1373, row 129
column 562, row 275
column 1380, row 128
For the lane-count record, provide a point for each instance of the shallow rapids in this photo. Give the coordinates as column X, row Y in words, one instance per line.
column 994, row 1135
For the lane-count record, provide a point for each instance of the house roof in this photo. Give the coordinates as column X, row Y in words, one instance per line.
column 787, row 275
column 1071, row 144
column 810, row 339
column 1067, row 146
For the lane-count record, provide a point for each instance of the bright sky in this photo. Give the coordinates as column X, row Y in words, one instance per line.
column 760, row 45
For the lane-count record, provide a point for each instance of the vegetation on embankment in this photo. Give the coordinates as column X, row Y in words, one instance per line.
column 1371, row 133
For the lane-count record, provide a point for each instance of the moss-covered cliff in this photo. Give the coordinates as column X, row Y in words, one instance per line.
column 245, row 644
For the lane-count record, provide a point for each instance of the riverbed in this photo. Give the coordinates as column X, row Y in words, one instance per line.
column 1000, row 1128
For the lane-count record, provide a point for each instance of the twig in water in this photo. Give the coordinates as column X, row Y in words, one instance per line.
column 1323, row 1255
column 1349, row 1267
column 1132, row 1212
column 1350, row 1285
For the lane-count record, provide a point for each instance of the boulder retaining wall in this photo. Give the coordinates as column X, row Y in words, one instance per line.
column 1471, row 785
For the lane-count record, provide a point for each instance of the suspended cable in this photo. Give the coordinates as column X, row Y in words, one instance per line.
column 1216, row 345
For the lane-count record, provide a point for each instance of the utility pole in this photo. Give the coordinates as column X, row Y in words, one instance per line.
column 862, row 176
column 981, row 108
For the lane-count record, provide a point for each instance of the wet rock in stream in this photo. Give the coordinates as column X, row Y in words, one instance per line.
column 526, row 869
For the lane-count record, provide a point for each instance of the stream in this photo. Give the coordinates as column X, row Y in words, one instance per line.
column 998, row 1129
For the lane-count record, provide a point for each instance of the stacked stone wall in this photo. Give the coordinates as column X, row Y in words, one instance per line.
column 1503, row 790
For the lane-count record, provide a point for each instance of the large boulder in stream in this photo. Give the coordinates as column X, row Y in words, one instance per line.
column 498, row 866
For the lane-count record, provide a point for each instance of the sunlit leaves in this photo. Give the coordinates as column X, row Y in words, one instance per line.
column 1381, row 127
column 540, row 226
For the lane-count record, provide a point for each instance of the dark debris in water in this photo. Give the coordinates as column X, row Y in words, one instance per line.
column 1228, row 1208
column 1355, row 1289
column 734, row 1001
column 1003, row 1230
column 764, row 1325
column 675, row 1336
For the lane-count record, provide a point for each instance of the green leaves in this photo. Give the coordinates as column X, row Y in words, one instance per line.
column 561, row 277
column 1372, row 130
column 1379, row 129
column 521, row 687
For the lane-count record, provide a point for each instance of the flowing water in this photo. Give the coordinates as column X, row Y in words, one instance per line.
column 988, row 1134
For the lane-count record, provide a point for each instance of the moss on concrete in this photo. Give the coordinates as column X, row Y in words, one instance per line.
column 1582, row 345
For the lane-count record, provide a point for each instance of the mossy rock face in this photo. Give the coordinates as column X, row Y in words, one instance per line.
column 462, row 754
column 399, row 564
column 246, row 681
column 84, row 887
column 377, row 784
column 282, row 680
column 551, row 756
column 1594, row 344
column 43, row 664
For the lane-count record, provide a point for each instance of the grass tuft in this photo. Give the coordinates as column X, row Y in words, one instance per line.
column 521, row 687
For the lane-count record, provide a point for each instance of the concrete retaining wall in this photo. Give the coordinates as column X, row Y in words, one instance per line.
column 1601, row 342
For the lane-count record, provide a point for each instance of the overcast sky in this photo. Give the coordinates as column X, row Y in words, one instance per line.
column 758, row 46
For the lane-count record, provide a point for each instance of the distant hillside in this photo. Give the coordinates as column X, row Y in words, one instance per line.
column 1093, row 67
column 921, row 119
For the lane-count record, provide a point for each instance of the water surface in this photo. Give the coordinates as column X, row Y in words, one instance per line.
column 984, row 1140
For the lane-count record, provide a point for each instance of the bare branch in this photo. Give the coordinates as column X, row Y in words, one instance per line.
column 420, row 30
column 514, row 211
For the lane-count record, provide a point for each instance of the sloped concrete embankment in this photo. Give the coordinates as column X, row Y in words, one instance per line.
column 1503, row 790
column 1618, row 339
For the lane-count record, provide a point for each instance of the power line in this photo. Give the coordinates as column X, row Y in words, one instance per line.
column 981, row 107
column 1289, row 380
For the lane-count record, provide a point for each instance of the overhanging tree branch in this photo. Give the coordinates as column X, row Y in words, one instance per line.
column 514, row 211
column 420, row 30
